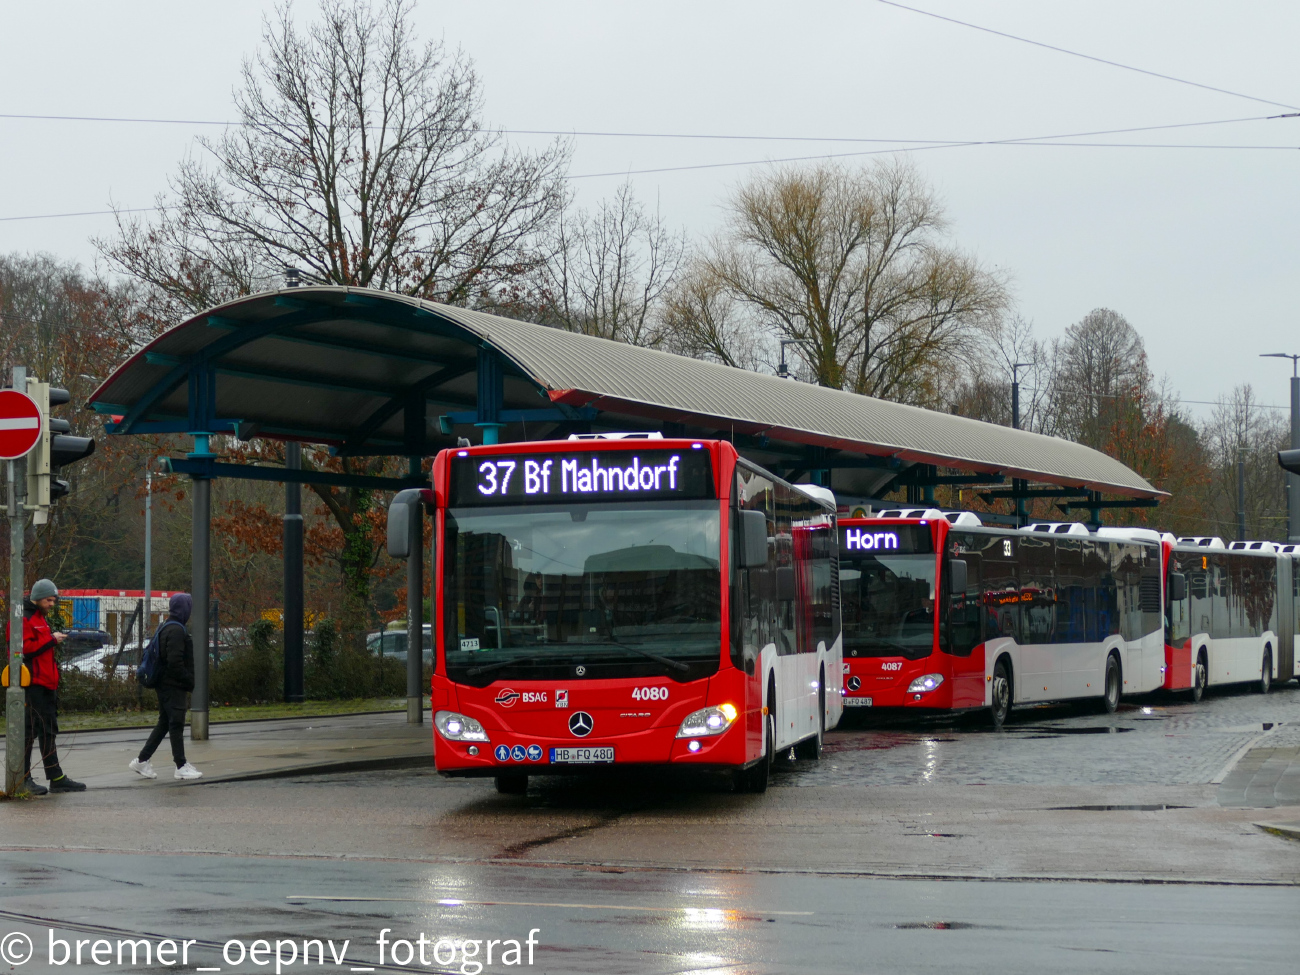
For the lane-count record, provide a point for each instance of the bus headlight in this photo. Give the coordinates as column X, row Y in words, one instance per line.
column 458, row 727
column 708, row 721
column 928, row 682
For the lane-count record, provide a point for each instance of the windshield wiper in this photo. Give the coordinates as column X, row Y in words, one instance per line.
column 892, row 644
column 668, row 662
column 486, row 668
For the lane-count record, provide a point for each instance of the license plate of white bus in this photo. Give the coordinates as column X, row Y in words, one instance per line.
column 857, row 702
column 583, row 756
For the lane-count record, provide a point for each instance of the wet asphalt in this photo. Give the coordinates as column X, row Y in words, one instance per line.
column 601, row 921
column 1073, row 841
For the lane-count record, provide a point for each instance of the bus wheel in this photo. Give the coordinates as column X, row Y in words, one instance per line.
column 1266, row 673
column 1200, row 678
column 1110, row 700
column 811, row 748
column 1001, row 707
column 512, row 784
column 754, row 778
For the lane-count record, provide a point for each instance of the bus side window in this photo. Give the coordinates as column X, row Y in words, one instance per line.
column 964, row 605
column 1000, row 586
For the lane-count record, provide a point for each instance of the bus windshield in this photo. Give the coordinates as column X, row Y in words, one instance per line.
column 584, row 590
column 888, row 605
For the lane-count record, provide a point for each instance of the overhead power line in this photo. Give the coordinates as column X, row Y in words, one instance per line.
column 1086, row 57
column 915, row 145
column 715, row 136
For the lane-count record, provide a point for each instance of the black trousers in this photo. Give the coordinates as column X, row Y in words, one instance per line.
column 171, row 721
column 41, row 726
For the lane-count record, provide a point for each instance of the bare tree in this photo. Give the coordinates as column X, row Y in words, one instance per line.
column 984, row 393
column 852, row 265
column 702, row 319
column 1101, row 363
column 360, row 158
column 610, row 270
column 1241, row 428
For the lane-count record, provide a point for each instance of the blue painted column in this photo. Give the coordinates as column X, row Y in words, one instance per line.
column 202, row 408
column 490, row 395
column 200, row 589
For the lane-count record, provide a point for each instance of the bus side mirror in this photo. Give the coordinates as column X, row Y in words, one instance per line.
column 957, row 576
column 403, row 514
column 1177, row 587
column 752, row 539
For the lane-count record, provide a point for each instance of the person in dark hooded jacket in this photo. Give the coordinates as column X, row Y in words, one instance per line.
column 175, row 681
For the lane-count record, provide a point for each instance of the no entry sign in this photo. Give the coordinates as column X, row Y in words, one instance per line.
column 20, row 424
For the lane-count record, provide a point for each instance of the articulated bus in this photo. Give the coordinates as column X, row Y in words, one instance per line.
column 941, row 612
column 629, row 601
column 1232, row 613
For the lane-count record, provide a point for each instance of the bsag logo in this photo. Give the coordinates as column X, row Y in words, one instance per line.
column 507, row 696
column 561, row 699
column 534, row 697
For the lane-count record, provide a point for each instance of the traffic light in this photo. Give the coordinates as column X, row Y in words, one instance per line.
column 57, row 448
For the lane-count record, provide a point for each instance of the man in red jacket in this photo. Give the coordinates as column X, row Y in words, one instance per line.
column 39, row 644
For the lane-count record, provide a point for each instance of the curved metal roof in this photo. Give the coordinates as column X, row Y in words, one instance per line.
column 371, row 372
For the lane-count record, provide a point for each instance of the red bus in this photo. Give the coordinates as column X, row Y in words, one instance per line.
column 943, row 613
column 629, row 600
column 1232, row 613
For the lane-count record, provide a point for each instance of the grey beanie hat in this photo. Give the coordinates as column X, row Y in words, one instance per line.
column 43, row 588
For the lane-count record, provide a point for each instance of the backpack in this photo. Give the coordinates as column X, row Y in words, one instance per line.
column 149, row 673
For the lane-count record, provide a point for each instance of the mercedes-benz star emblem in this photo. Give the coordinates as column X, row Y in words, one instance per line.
column 580, row 670
column 581, row 724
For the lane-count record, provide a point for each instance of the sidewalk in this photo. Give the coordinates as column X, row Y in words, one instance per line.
column 254, row 749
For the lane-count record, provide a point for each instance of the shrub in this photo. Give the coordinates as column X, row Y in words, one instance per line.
column 251, row 674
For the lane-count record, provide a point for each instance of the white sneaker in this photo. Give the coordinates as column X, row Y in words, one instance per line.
column 188, row 771
column 144, row 768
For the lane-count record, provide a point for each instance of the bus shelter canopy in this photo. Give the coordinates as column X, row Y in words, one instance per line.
column 374, row 373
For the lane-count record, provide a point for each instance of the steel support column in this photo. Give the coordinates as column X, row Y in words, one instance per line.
column 490, row 395
column 1293, row 480
column 201, row 558
column 293, row 601
column 15, row 697
column 415, row 612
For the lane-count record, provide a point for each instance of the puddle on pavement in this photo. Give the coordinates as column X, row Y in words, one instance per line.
column 1130, row 807
column 1241, row 729
column 938, row 926
column 1055, row 732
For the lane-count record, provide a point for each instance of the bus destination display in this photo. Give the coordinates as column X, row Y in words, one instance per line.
column 593, row 475
column 876, row 540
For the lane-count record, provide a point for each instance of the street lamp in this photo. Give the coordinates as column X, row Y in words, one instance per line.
column 1017, row 484
column 1293, row 481
column 782, row 370
column 1015, row 392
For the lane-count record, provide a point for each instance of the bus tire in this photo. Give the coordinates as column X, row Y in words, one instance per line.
column 1200, row 677
column 753, row 780
column 811, row 748
column 1113, row 685
column 512, row 784
column 1266, row 672
column 1000, row 709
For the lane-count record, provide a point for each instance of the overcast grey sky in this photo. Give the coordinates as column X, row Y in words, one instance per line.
column 1196, row 247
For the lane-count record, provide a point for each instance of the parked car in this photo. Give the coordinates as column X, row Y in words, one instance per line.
column 93, row 662
column 81, row 641
column 393, row 644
